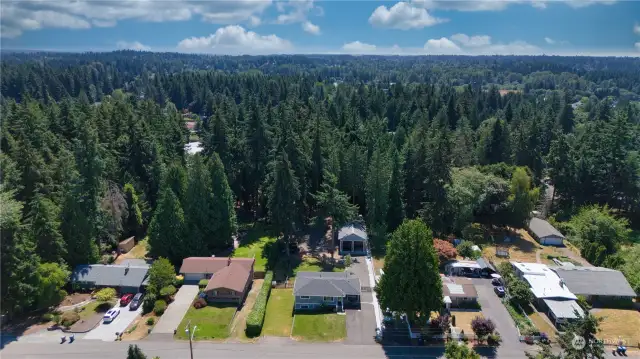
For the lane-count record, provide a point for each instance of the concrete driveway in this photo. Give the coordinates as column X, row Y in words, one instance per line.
column 172, row 317
column 493, row 309
column 107, row 331
column 361, row 324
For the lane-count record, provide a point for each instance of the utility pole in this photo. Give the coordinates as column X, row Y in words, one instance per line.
column 191, row 332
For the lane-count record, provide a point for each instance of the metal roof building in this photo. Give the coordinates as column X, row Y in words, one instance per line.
column 593, row 282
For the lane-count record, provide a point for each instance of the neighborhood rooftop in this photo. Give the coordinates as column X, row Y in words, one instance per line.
column 565, row 309
column 102, row 275
column 234, row 276
column 352, row 229
column 458, row 287
column 543, row 281
column 542, row 228
column 595, row 281
column 212, row 264
column 329, row 284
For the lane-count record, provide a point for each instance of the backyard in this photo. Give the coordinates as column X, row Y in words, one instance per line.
column 212, row 322
column 277, row 321
column 319, row 327
column 619, row 324
column 139, row 251
column 522, row 248
column 252, row 245
column 463, row 320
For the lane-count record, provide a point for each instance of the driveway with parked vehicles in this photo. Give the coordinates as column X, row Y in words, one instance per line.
column 107, row 331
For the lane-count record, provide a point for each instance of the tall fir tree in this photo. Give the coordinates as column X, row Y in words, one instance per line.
column 197, row 206
column 377, row 194
column 167, row 227
column 395, row 213
column 223, row 213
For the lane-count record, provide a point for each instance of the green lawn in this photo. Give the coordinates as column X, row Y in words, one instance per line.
column 314, row 265
column 277, row 321
column 212, row 321
column 329, row 327
column 253, row 246
column 95, row 307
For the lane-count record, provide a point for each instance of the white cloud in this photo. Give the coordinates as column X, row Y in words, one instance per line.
column 295, row 11
column 358, row 47
column 234, row 39
column 472, row 41
column 441, row 46
column 135, row 45
column 19, row 16
column 638, row 46
column 403, row 16
column 497, row 5
column 636, row 29
column 550, row 41
column 254, row 21
column 311, row 28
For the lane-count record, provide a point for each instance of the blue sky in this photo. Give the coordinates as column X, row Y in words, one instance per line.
column 583, row 27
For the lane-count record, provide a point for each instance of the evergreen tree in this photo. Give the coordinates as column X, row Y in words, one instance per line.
column 411, row 268
column 332, row 202
column 282, row 196
column 223, row 213
column 167, row 227
column 377, row 189
column 522, row 199
column 198, row 209
column 133, row 224
column 44, row 228
column 134, row 352
column 438, row 170
column 395, row 213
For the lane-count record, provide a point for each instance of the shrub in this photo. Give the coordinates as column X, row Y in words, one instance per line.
column 482, row 327
column 48, row 317
column 167, row 291
column 465, row 249
column 151, row 321
column 148, row 303
column 494, row 339
column 159, row 307
column 256, row 317
column 583, row 302
column 203, row 283
column 179, row 281
column 199, row 303
column 68, row 318
column 106, row 294
column 440, row 324
column 347, row 260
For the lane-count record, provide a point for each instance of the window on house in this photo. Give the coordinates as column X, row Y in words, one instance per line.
column 304, row 297
column 304, row 307
column 215, row 292
column 328, row 299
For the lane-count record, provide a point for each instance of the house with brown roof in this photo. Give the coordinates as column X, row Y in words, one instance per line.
column 458, row 291
column 229, row 278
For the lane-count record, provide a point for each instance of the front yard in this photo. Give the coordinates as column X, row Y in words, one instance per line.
column 212, row 322
column 277, row 321
column 463, row 320
column 319, row 327
column 619, row 324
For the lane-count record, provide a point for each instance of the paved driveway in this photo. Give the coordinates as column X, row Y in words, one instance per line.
column 493, row 308
column 172, row 317
column 107, row 331
column 361, row 324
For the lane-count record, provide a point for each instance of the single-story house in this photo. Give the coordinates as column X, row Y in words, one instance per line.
column 314, row 290
column 562, row 311
column 125, row 278
column 229, row 278
column 596, row 283
column 486, row 267
column 353, row 239
column 458, row 290
column 545, row 233
column 462, row 267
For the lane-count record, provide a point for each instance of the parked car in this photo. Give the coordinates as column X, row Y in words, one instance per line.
column 111, row 315
column 136, row 301
column 497, row 282
column 126, row 299
column 499, row 291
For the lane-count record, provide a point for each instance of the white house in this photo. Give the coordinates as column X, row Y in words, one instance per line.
column 545, row 233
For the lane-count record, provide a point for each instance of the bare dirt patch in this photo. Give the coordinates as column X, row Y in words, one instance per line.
column 522, row 248
column 463, row 320
column 74, row 298
column 139, row 329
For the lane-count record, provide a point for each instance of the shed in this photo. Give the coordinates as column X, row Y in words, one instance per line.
column 562, row 311
column 126, row 245
column 545, row 233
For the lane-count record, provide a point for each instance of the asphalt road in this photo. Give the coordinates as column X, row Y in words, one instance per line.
column 180, row 350
column 172, row 317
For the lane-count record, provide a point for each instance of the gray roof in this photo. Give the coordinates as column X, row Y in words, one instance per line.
column 542, row 228
column 102, row 275
column 595, row 281
column 135, row 262
column 485, row 264
column 352, row 232
column 327, row 284
column 564, row 308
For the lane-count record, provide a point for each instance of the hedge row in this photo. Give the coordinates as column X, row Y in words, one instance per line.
column 256, row 317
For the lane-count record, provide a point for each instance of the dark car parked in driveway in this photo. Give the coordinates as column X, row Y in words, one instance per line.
column 136, row 301
column 496, row 282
